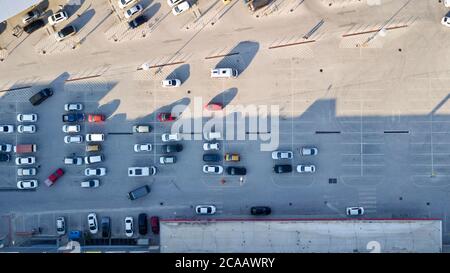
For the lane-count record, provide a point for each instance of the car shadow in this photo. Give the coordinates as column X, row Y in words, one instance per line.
column 182, row 73
column 240, row 56
column 83, row 19
column 225, row 97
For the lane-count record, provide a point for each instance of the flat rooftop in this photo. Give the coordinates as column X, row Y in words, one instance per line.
column 334, row 236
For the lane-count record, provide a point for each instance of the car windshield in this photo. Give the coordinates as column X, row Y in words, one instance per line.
column 138, row 171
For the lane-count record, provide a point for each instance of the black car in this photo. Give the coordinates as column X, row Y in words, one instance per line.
column 139, row 192
column 4, row 157
column 142, row 223
column 172, row 148
column 282, row 168
column 106, row 227
column 236, row 170
column 42, row 95
column 74, row 117
column 137, row 21
column 65, row 32
column 260, row 210
column 33, row 26
column 212, row 158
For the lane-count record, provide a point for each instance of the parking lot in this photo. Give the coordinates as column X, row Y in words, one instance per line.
column 381, row 130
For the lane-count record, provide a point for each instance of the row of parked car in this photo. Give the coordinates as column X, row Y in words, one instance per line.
column 288, row 155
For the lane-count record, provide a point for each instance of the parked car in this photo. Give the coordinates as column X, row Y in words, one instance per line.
column 232, row 157
column 73, row 107
column 93, row 183
column 129, row 226
column 142, row 223
column 211, row 158
column 73, row 160
column 154, row 223
column 180, row 8
column 65, row 32
column 215, row 169
column 282, row 155
column 172, row 148
column 106, row 227
column 27, row 184
column 139, row 192
column 92, row 223
column 73, row 117
column 142, row 129
column 171, row 83
column 309, row 151
column 42, row 95
column 30, row 16
column 446, row 20
column 124, row 3
column 27, row 117
column 29, row 160
column 96, row 118
column 214, row 106
column 170, row 137
column 137, row 21
column 142, row 171
column 282, row 168
column 95, row 137
column 163, row 117
column 7, row 128
column 5, row 148
column 4, row 157
column 167, row 159
column 26, row 171
column 260, row 210
column 306, row 168
column 205, row 209
column 236, row 170
column 73, row 139
column 211, row 146
column 57, row 18
column 54, row 177
column 93, row 148
column 61, row 225
column 353, row 211
column 92, row 159
column 146, row 147
column 71, row 128
column 33, row 26
column 95, row 172
column 172, row 3
column 133, row 11
column 27, row 129
column 213, row 135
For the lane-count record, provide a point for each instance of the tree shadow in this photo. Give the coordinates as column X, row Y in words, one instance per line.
column 240, row 56
column 176, row 108
column 151, row 11
column 3, row 26
column 144, row 3
column 182, row 73
column 83, row 19
column 225, row 97
column 73, row 6
column 109, row 108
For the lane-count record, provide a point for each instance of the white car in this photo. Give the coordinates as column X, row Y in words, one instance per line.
column 92, row 159
column 309, row 151
column 213, row 136
column 133, row 11
column 74, row 160
column 73, row 139
column 60, row 225
column 7, row 128
column 142, row 171
column 170, row 137
column 94, row 183
column 26, row 171
column 92, row 222
column 306, row 168
column 5, row 148
column 355, row 211
column 29, row 160
column 146, row 147
column 282, row 155
column 125, row 3
column 129, row 226
column 27, row 117
column 172, row 3
column 205, row 209
column 171, row 83
column 27, row 184
column 71, row 128
column 446, row 20
column 180, row 8
column 95, row 172
column 95, row 137
column 57, row 18
column 29, row 129
column 212, row 169
column 73, row 107
column 211, row 146
column 167, row 160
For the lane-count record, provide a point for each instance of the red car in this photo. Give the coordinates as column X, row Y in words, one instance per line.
column 166, row 117
column 154, row 223
column 96, row 118
column 53, row 177
column 214, row 106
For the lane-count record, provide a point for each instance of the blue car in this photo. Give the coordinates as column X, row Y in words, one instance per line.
column 73, row 117
column 75, row 235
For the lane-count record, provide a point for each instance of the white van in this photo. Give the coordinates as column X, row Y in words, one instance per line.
column 95, row 137
column 224, row 73
column 93, row 159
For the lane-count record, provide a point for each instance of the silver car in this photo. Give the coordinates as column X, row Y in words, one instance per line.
column 282, row 155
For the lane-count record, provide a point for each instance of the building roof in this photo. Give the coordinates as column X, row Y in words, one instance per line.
column 10, row 8
column 309, row 236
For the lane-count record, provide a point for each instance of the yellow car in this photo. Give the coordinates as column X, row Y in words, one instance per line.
column 232, row 157
column 226, row 1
